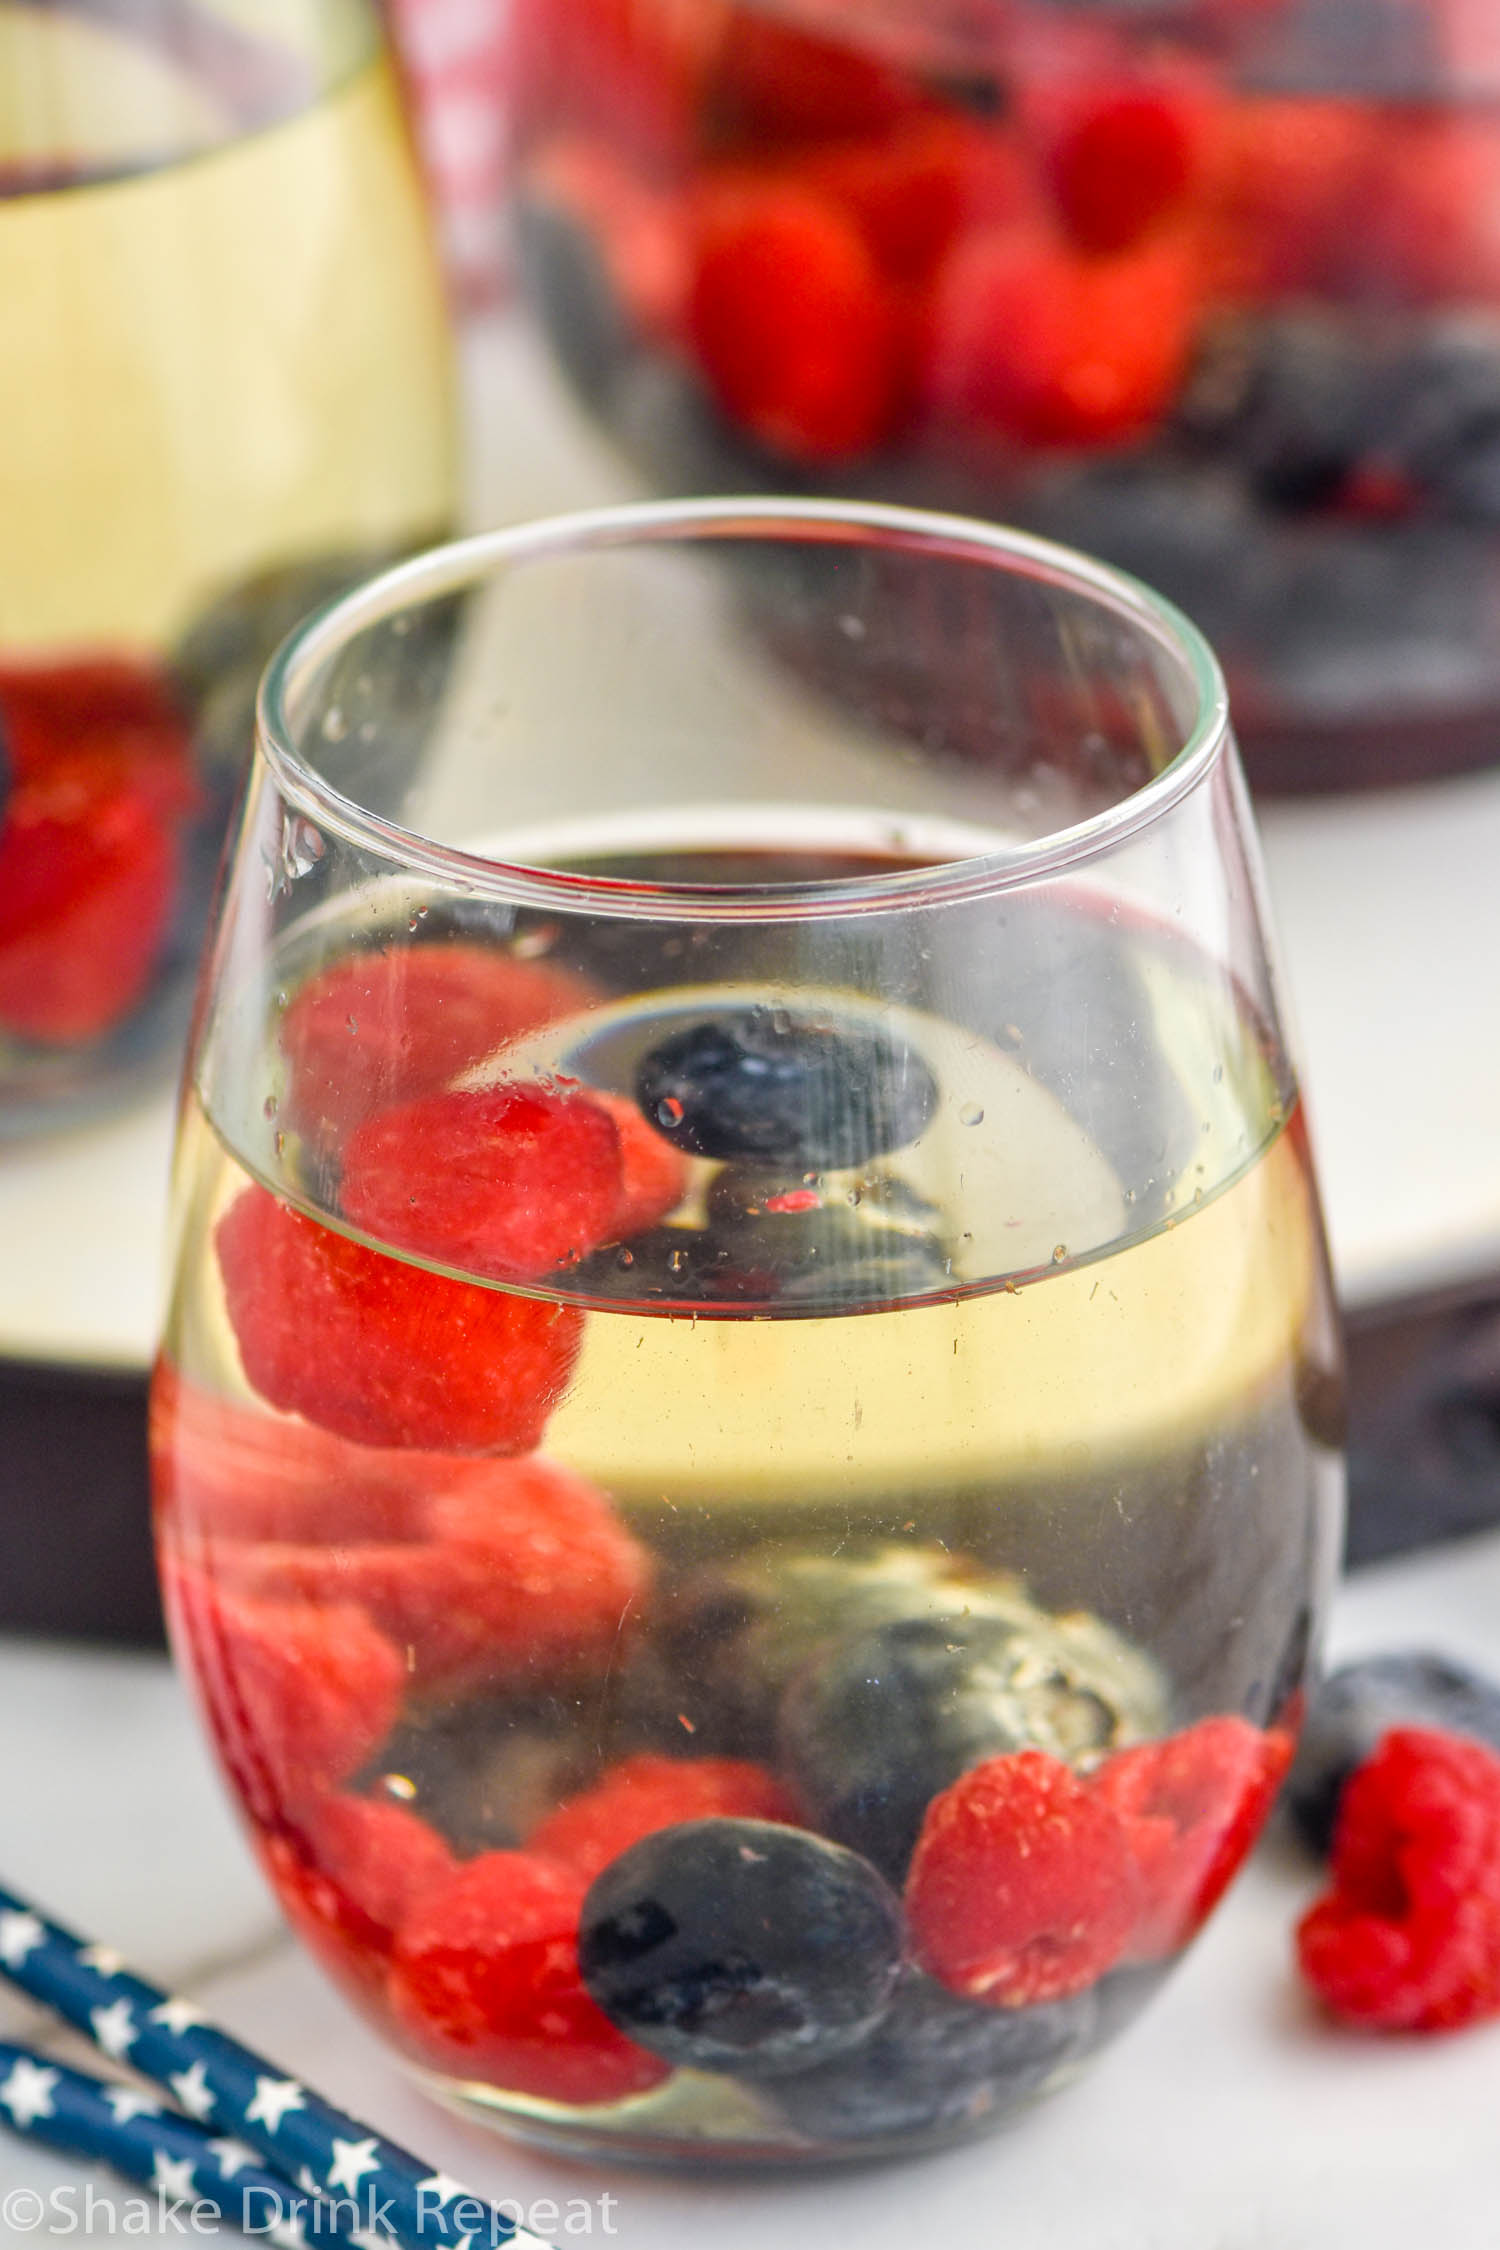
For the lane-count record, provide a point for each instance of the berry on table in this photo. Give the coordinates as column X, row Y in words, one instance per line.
column 1359, row 1703
column 387, row 1025
column 383, row 1352
column 872, row 1729
column 759, row 1083
column 1022, row 1888
column 509, row 1181
column 296, row 1699
column 1192, row 1806
column 1122, row 159
column 938, row 2064
column 796, row 330
column 523, row 1576
column 645, row 1793
column 484, row 1984
column 1408, row 1937
column 741, row 1946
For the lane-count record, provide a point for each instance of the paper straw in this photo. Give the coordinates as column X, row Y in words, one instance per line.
column 219, row 2082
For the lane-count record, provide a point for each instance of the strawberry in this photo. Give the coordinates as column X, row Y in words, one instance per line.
column 484, row 1984
column 508, row 1181
column 382, row 1352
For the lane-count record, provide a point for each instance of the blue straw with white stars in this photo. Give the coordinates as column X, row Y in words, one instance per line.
column 218, row 2082
column 160, row 2149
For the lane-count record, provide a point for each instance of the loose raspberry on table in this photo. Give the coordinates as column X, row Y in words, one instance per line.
column 510, row 1181
column 524, row 1577
column 385, row 1026
column 484, row 1983
column 296, row 1699
column 1408, row 1938
column 1192, row 1806
column 349, row 1876
column 644, row 1793
column 1022, row 1887
column 1123, row 158
column 798, row 333
column 224, row 1471
column 383, row 1352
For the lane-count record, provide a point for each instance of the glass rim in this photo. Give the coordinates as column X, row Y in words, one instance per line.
column 466, row 562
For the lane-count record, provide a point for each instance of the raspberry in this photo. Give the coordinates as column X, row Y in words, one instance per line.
column 350, row 1878
column 504, row 1180
column 776, row 86
column 653, row 1174
column 1022, row 1886
column 119, row 713
column 382, row 1352
column 1051, row 349
column 1192, row 1806
column 795, row 328
column 484, row 1983
column 1123, row 159
column 228, row 1472
column 1293, row 198
column 295, row 1699
column 525, row 1576
column 645, row 1793
column 1408, row 1938
column 88, row 880
column 386, row 1026
column 913, row 195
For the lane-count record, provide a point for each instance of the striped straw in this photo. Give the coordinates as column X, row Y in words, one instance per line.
column 218, row 2082
column 158, row 2148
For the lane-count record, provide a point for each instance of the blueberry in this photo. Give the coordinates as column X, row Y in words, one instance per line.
column 872, row 1729
column 938, row 2064
column 1357, row 1704
column 741, row 1946
column 759, row 1083
column 1289, row 400
column 747, row 1627
column 1441, row 415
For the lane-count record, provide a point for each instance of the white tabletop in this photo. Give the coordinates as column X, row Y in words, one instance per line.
column 1389, row 908
column 1230, row 2118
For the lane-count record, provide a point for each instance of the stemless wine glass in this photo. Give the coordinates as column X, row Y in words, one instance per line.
column 224, row 394
column 747, row 1445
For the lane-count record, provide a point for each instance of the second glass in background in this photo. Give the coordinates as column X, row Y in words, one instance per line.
column 225, row 393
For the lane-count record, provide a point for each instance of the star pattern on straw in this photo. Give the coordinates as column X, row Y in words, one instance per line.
column 231, row 2157
column 126, row 2102
column 194, row 2093
column 351, row 2161
column 289, row 2233
column 27, row 2092
column 172, row 2177
column 177, row 2016
column 20, row 1934
column 102, row 1959
column 272, row 2098
column 442, row 2186
column 114, row 2029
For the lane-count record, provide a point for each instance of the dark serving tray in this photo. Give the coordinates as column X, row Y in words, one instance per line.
column 75, row 1555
